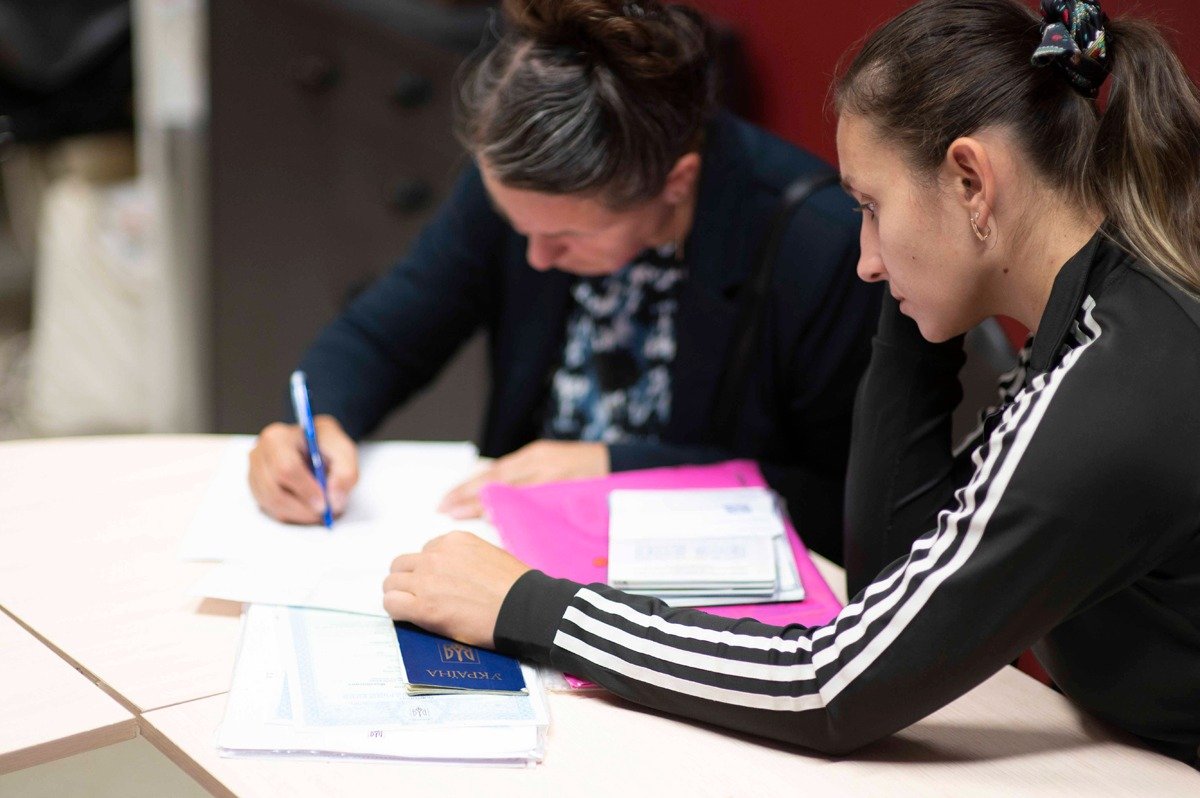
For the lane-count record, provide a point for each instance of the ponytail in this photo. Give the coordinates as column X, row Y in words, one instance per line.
column 1146, row 169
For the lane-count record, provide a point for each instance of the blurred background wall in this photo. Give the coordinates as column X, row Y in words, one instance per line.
column 161, row 269
column 793, row 46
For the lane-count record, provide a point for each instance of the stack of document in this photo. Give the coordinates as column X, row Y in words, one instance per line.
column 701, row 547
column 322, row 684
column 578, row 511
column 332, row 682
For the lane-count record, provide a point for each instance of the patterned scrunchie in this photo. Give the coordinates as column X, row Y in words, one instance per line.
column 1073, row 40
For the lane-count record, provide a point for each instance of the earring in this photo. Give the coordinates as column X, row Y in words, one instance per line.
column 982, row 236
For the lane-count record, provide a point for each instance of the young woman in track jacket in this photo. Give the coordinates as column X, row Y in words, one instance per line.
column 990, row 182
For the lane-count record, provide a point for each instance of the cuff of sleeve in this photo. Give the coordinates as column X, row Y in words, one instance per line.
column 630, row 456
column 627, row 456
column 530, row 615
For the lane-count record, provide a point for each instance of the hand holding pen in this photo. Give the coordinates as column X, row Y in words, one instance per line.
column 281, row 474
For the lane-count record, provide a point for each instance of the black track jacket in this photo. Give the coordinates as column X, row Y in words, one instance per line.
column 1070, row 522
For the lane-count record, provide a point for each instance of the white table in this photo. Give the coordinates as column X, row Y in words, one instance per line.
column 1011, row 736
column 92, row 528
column 50, row 710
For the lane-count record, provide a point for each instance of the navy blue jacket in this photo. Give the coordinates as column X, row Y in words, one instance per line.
column 468, row 269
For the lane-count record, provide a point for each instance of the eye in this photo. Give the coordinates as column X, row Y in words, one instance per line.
column 866, row 207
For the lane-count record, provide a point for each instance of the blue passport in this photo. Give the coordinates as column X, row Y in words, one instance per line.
column 439, row 666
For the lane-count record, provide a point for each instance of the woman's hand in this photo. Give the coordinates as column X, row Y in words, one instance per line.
column 282, row 481
column 453, row 587
column 540, row 461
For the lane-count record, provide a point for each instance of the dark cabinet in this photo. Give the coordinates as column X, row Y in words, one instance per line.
column 329, row 147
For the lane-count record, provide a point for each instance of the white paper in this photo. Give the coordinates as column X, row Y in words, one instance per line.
column 330, row 587
column 694, row 513
column 261, row 718
column 701, row 547
column 392, row 510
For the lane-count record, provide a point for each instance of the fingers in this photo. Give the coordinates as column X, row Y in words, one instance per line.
column 463, row 502
column 405, row 562
column 454, row 586
column 403, row 600
column 399, row 599
column 428, row 556
column 402, row 581
column 341, row 460
column 518, row 468
column 534, row 463
column 279, row 477
column 467, row 509
column 283, row 506
column 399, row 605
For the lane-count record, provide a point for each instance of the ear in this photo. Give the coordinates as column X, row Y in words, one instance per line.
column 681, row 182
column 969, row 172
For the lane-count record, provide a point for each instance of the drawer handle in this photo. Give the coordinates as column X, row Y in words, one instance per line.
column 412, row 90
column 411, row 195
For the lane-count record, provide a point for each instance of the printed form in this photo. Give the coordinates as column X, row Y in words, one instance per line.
column 331, row 685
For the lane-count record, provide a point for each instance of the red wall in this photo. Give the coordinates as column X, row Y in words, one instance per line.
column 793, row 46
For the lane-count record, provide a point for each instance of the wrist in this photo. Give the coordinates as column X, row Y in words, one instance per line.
column 530, row 615
column 603, row 459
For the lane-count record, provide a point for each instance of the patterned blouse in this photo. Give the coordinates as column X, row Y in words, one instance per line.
column 614, row 384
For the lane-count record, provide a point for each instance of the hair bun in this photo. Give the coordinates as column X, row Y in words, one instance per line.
column 638, row 40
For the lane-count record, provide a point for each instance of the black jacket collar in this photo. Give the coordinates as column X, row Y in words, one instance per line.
column 719, row 229
column 1078, row 276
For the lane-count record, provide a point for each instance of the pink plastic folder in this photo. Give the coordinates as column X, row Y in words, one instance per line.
column 561, row 528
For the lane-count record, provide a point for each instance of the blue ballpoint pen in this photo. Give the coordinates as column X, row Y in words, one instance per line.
column 304, row 418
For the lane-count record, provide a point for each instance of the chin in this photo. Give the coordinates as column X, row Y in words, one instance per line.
column 587, row 269
column 936, row 333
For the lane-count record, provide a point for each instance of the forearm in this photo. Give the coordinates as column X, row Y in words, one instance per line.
column 901, row 464
column 681, row 661
column 790, row 683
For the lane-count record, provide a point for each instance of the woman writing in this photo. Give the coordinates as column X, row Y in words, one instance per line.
column 604, row 238
column 990, row 182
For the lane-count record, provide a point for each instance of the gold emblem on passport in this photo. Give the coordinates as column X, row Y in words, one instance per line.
column 457, row 652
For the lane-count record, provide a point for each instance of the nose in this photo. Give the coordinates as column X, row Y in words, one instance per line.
column 542, row 253
column 870, row 262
